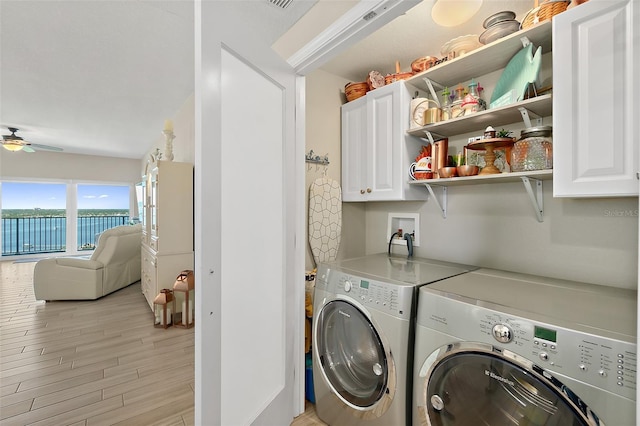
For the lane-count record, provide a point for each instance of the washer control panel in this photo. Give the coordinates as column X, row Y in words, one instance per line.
column 604, row 362
column 390, row 298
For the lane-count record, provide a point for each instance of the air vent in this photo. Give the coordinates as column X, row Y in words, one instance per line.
column 281, row 3
column 369, row 16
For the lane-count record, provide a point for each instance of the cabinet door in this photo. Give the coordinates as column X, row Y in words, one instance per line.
column 385, row 139
column 354, row 150
column 596, row 90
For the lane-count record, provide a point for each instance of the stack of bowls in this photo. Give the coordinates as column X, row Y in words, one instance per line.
column 499, row 25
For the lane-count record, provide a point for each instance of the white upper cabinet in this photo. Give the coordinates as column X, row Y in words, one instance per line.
column 596, row 67
column 375, row 161
column 354, row 135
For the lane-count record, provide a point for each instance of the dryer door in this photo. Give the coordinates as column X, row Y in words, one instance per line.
column 475, row 383
column 353, row 358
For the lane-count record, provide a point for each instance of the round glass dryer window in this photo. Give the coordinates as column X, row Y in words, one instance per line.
column 351, row 354
column 476, row 388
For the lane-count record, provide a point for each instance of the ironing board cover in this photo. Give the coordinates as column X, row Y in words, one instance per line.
column 325, row 219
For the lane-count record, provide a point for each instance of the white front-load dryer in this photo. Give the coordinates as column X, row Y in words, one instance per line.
column 363, row 337
column 500, row 348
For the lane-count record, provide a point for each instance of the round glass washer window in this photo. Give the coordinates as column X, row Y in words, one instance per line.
column 351, row 354
column 475, row 388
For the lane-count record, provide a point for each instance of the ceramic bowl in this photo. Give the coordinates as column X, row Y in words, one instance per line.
column 447, row 172
column 467, row 170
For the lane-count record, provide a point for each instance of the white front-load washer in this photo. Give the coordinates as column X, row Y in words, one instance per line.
column 363, row 327
column 500, row 348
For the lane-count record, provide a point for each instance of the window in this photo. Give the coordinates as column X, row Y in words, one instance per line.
column 100, row 207
column 34, row 218
column 43, row 217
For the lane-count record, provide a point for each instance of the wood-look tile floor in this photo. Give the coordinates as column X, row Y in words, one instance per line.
column 92, row 362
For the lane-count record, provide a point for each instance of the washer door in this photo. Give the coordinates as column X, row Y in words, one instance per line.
column 353, row 358
column 474, row 383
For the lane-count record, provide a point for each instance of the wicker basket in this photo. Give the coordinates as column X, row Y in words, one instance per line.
column 391, row 78
column 547, row 10
column 355, row 90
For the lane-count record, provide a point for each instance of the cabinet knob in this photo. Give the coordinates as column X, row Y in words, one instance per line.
column 362, row 191
column 368, row 190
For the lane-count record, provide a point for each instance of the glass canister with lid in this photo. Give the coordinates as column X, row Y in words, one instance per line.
column 534, row 150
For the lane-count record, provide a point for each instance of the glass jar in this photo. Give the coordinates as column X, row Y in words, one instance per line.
column 456, row 105
column 446, row 104
column 533, row 151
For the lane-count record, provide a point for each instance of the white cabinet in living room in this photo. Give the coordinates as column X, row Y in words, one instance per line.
column 375, row 158
column 595, row 112
column 167, row 243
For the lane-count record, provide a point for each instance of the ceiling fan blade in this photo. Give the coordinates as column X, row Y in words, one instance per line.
column 27, row 148
column 47, row 147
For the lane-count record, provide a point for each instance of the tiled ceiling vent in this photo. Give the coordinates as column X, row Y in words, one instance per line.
column 281, row 3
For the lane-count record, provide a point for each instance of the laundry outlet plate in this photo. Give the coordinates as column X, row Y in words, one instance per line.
column 408, row 222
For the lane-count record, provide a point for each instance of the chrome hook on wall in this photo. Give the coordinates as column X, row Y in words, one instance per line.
column 311, row 157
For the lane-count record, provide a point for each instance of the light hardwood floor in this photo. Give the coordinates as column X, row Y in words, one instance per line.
column 92, row 362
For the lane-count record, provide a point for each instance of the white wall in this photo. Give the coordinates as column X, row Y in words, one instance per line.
column 494, row 226
column 322, row 133
column 57, row 166
column 184, row 131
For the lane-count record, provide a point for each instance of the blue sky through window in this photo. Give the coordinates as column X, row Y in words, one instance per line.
column 18, row 195
column 103, row 197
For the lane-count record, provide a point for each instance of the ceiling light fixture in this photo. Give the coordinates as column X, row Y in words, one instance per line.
column 12, row 142
column 450, row 13
column 13, row 147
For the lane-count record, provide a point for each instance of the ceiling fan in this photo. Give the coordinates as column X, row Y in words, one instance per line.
column 15, row 143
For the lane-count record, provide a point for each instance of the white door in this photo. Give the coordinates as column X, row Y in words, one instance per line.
column 248, row 198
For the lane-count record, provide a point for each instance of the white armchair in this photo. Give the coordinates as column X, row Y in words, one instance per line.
column 114, row 264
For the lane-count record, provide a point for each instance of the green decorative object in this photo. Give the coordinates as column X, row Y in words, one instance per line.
column 521, row 70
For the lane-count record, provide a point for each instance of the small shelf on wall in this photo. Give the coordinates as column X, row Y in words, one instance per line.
column 532, row 182
column 540, row 106
column 485, row 59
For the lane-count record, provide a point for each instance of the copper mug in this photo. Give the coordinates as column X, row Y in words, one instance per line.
column 439, row 152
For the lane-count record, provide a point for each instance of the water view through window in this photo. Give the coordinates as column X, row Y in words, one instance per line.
column 35, row 219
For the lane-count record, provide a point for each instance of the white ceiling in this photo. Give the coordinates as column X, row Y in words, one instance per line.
column 100, row 77
column 412, row 36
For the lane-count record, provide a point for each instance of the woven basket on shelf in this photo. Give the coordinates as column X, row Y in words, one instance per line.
column 547, row 10
column 355, row 90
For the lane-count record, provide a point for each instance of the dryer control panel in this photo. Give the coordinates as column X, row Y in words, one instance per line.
column 598, row 360
column 389, row 298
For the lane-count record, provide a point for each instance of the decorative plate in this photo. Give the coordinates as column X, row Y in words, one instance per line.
column 521, row 70
column 499, row 30
column 505, row 15
column 417, row 113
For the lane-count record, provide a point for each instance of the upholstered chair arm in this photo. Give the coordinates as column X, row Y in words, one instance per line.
column 67, row 279
column 76, row 262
